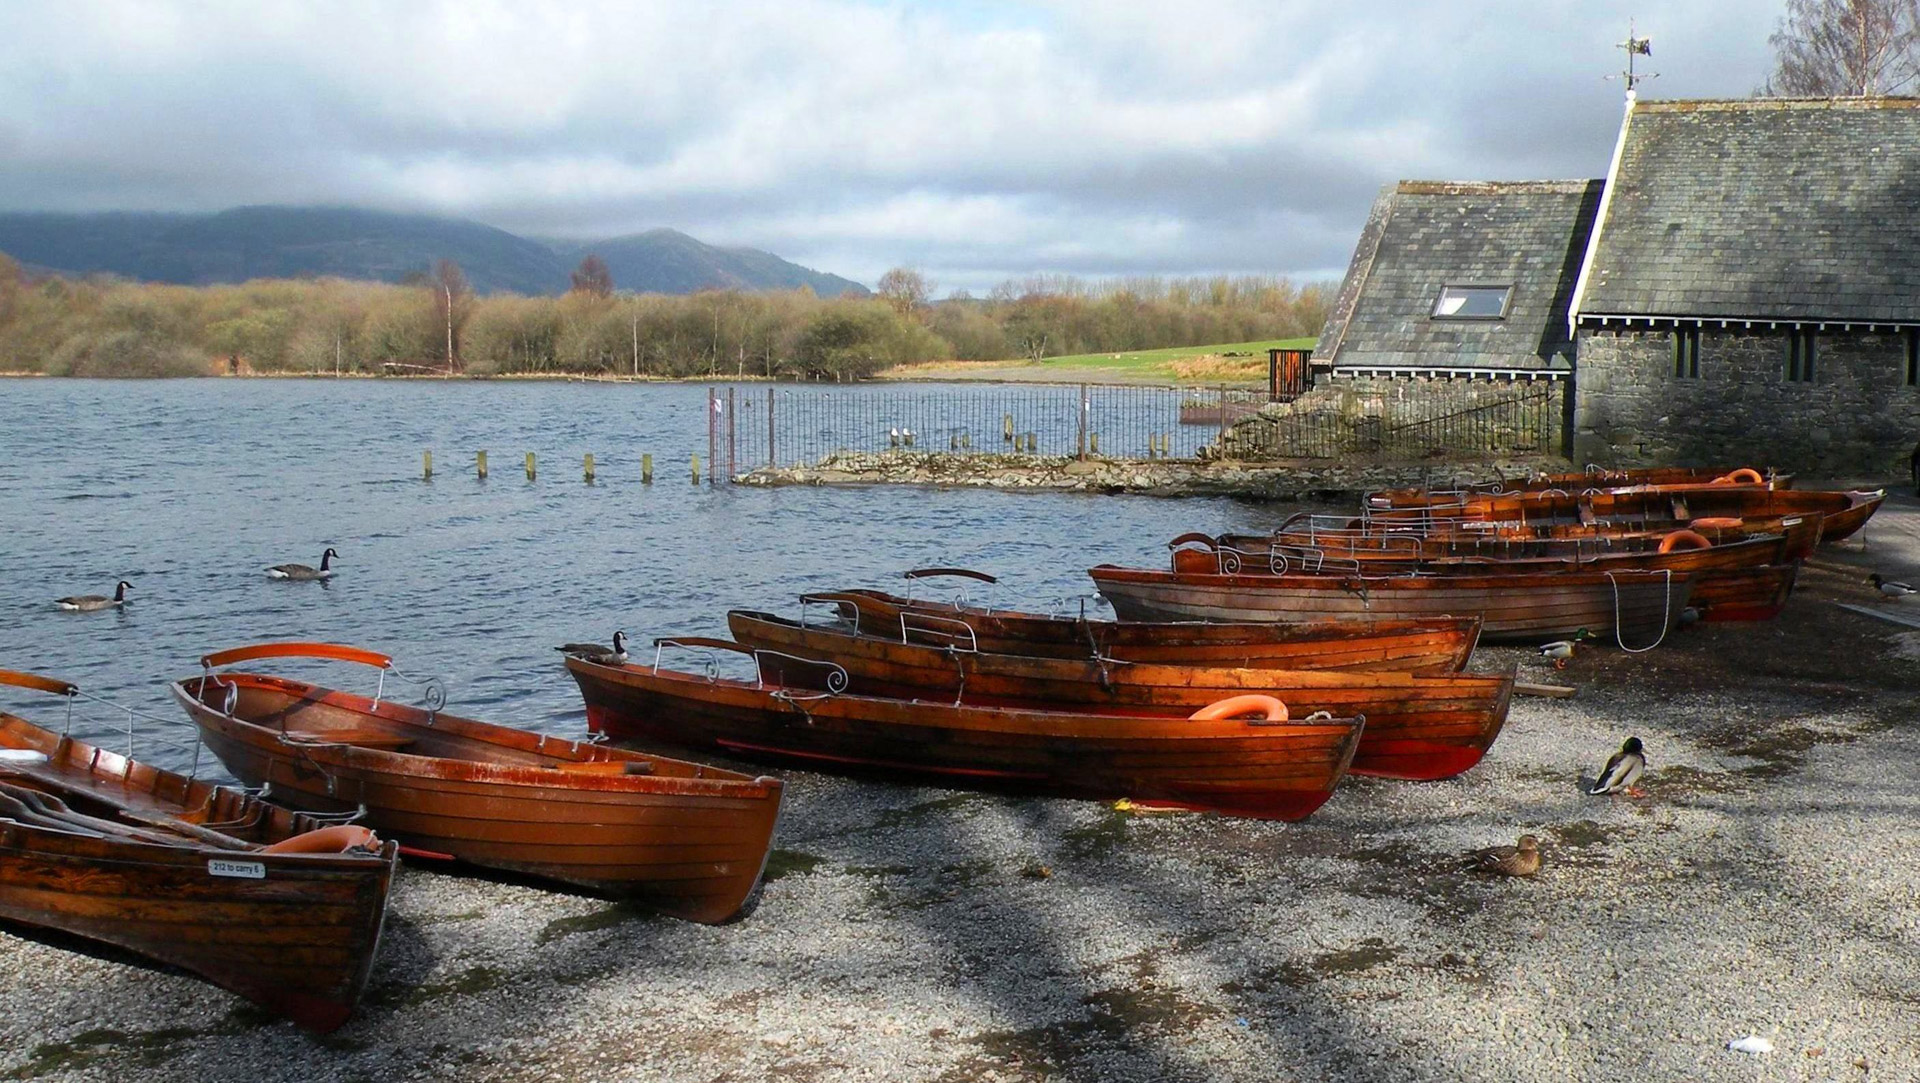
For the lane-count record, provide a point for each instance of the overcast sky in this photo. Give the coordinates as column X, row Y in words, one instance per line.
column 975, row 140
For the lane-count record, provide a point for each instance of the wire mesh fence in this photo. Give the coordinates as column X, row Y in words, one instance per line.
column 760, row 425
column 755, row 426
column 1525, row 418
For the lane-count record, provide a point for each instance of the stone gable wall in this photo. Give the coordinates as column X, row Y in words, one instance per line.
column 1858, row 416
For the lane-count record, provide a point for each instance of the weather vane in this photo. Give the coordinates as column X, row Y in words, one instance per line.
column 1635, row 46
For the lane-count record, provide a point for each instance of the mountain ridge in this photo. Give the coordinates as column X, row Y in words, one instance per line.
column 272, row 241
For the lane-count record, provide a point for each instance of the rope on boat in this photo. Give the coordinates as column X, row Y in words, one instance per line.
column 1666, row 613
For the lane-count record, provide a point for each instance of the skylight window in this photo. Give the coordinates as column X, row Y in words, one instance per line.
column 1472, row 303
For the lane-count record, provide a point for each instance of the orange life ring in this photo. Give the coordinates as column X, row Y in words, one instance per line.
column 1718, row 522
column 337, row 839
column 1236, row 706
column 1692, row 539
column 1746, row 475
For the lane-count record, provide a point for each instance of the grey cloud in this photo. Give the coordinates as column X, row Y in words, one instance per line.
column 1119, row 137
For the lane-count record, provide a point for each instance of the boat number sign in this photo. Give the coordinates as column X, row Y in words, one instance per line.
column 244, row 870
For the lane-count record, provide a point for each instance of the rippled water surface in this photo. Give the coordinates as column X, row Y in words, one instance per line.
column 190, row 488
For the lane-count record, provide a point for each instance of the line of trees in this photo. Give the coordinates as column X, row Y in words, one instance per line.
column 99, row 326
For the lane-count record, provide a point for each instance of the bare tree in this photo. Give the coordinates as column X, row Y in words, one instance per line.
column 453, row 297
column 905, row 289
column 1828, row 48
column 593, row 277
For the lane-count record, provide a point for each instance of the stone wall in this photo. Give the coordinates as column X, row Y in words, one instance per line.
column 1857, row 417
column 1411, row 417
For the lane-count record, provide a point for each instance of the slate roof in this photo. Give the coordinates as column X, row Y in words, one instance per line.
column 1782, row 209
column 1423, row 235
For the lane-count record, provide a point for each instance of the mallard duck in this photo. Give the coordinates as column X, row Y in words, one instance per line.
column 1522, row 859
column 302, row 571
column 1560, row 650
column 1622, row 770
column 1892, row 588
column 88, row 603
column 597, row 654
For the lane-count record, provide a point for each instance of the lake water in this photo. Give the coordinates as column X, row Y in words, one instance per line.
column 191, row 488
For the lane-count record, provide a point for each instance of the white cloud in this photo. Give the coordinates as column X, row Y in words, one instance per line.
column 971, row 139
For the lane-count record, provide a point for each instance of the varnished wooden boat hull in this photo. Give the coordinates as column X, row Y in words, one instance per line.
column 1643, row 606
column 1658, row 506
column 1572, row 483
column 1437, row 644
column 1418, row 726
column 1232, row 766
column 687, row 840
column 1730, row 582
column 295, row 933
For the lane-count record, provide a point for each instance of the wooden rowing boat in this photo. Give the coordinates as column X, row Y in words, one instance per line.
column 1591, row 478
column 1258, row 768
column 1418, row 726
column 1640, row 607
column 276, row 906
column 1435, row 644
column 685, row 839
column 1746, row 579
column 1657, row 507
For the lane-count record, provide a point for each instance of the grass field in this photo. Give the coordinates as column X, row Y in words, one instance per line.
column 1225, row 363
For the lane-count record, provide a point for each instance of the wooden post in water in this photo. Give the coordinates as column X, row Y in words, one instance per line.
column 770, row 459
column 732, row 440
column 529, row 466
column 1006, row 430
column 426, row 466
column 646, row 468
column 589, row 468
column 1093, row 438
column 1033, row 442
column 696, row 468
column 480, row 465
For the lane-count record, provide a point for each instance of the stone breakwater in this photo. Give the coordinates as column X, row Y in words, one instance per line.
column 1159, row 477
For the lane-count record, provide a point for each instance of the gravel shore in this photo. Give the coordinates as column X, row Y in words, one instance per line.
column 1765, row 885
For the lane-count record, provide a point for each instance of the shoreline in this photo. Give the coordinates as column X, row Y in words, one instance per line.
column 1296, row 479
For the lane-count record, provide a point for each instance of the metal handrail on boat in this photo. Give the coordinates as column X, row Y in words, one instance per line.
column 928, row 624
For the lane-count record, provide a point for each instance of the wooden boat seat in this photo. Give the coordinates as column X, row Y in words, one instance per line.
column 384, row 740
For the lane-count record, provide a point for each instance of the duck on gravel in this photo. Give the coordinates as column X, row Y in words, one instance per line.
column 1561, row 650
column 92, row 603
column 1622, row 770
column 1892, row 588
column 1522, row 859
column 615, row 655
column 303, row 571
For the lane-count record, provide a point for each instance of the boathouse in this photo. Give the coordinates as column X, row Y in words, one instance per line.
column 1744, row 285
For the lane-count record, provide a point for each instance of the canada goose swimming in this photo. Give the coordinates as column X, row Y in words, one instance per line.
column 597, row 654
column 1520, row 860
column 1891, row 588
column 302, row 571
column 1622, row 770
column 1560, row 650
column 88, row 603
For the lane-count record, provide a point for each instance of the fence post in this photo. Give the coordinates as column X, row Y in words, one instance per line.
column 1223, row 418
column 1086, row 406
column 713, row 433
column 772, row 463
column 732, row 442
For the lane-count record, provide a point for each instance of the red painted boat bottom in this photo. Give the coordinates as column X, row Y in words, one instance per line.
column 883, row 765
column 1414, row 760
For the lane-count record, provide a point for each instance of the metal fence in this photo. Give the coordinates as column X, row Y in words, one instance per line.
column 757, row 425
column 1525, row 419
column 762, row 425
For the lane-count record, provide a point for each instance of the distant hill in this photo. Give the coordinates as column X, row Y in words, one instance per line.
column 668, row 261
column 296, row 242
